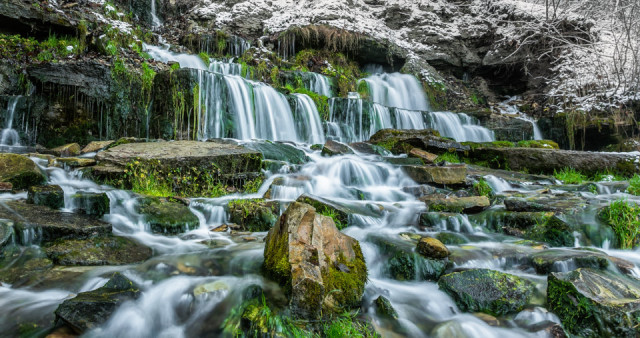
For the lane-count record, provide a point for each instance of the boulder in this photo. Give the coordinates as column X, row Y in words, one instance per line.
column 471, row 204
column 369, row 149
column 73, row 162
column 254, row 214
column 107, row 250
column 595, row 303
column 430, row 247
column 419, row 190
column 51, row 196
column 562, row 260
column 339, row 212
column 35, row 223
column 322, row 269
column 402, row 262
column 67, row 150
column 425, row 156
column 166, row 217
column 403, row 140
column 20, row 171
column 447, row 174
column 384, row 308
column 91, row 203
column 95, row 146
column 90, row 309
column 560, row 203
column 482, row 290
column 333, row 148
column 7, row 233
column 279, row 151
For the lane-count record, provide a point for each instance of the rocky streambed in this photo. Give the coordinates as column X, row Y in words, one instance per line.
column 390, row 239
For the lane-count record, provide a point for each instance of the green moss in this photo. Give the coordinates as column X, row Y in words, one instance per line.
column 437, row 94
column 205, row 58
column 167, row 217
column 335, row 216
column 450, row 157
column 573, row 308
column 548, row 144
column 624, row 218
column 634, row 185
column 347, row 325
column 346, row 288
column 276, row 261
column 253, row 214
column 482, row 188
column 20, row 171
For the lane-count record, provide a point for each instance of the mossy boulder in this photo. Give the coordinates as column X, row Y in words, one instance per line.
column 442, row 203
column 74, row 162
column 90, row 203
column 90, row 309
column 430, row 247
column 71, row 149
column 595, row 303
column 51, row 196
column 384, row 308
column 482, row 290
column 7, row 233
column 23, row 266
column 368, row 148
column 254, row 214
column 108, row 250
column 451, row 238
column 555, row 260
column 167, row 217
column 95, row 146
column 443, row 175
column 333, row 148
column 402, row 262
column 20, row 171
column 402, row 141
column 279, row 151
column 323, row 271
column 561, row 203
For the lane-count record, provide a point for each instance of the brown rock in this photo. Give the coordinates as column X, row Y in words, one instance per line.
column 426, row 156
column 71, row 149
column 430, row 247
column 95, row 146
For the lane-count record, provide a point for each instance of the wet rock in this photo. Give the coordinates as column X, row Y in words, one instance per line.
column 24, row 266
column 254, row 214
column 425, row 156
column 303, row 252
column 67, row 150
column 51, row 196
column 333, row 148
column 75, row 162
column 384, row 308
column 430, row 247
column 90, row 309
column 402, row 141
column 279, row 151
column 108, row 250
column 563, row 260
column 95, row 146
column 35, row 223
column 507, row 128
column 472, row 204
column 369, row 149
column 20, row 171
column 90, row 203
column 404, row 263
column 487, row 318
column 420, row 190
column 210, row 288
column 449, row 174
column 562, row 203
column 451, row 238
column 337, row 211
column 6, row 186
column 166, row 217
column 488, row 291
column 7, row 233
column 403, row 161
column 594, row 303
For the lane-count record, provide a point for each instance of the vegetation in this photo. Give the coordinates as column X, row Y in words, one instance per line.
column 569, row 176
column 624, row 218
column 27, row 49
column 346, row 325
column 450, row 157
column 331, row 213
column 482, row 188
column 205, row 58
column 634, row 185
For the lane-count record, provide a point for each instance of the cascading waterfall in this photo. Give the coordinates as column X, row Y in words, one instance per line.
column 9, row 136
column 397, row 90
column 308, row 120
column 460, row 127
column 319, row 84
column 238, row 45
column 274, row 119
column 225, row 68
column 509, row 107
column 155, row 21
column 165, row 55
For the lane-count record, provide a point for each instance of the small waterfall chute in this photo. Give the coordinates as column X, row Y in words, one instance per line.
column 397, row 90
column 308, row 120
column 10, row 136
column 460, row 127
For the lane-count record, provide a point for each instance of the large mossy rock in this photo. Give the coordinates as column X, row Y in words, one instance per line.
column 339, row 212
column 39, row 224
column 279, row 151
column 482, row 290
column 444, row 175
column 20, row 171
column 322, row 269
column 91, row 203
column 254, row 214
column 562, row 203
column 470, row 204
column 51, row 196
column 403, row 262
column 95, row 146
column 90, row 309
column 107, row 250
column 333, row 148
column 67, row 150
column 402, row 141
column 167, row 217
column 554, row 260
column 594, row 303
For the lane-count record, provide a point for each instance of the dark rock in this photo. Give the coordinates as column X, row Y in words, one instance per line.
column 384, row 308
column 20, row 171
column 441, row 203
column 166, row 217
column 90, row 203
column 337, row 211
column 109, row 250
column 51, row 196
column 368, row 148
column 594, row 303
column 506, row 128
column 333, row 148
column 561, row 203
column 279, row 151
column 254, row 214
column 90, row 309
column 7, row 233
column 449, row 174
column 402, row 141
column 402, row 261
column 562, row 260
column 451, row 238
column 488, row 291
column 420, row 190
column 404, row 161
column 430, row 247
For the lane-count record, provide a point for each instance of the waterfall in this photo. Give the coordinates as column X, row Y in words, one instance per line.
column 509, row 107
column 9, row 136
column 460, row 127
column 225, row 68
column 165, row 55
column 240, row 100
column 319, row 84
column 308, row 120
column 274, row 119
column 238, row 45
column 155, row 21
column 397, row 90
column 409, row 119
column 537, row 133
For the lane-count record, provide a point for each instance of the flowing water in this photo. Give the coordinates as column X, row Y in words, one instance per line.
column 9, row 136
column 155, row 21
column 195, row 279
column 509, row 107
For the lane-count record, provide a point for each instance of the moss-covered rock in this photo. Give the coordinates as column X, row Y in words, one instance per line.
column 339, row 212
column 430, row 247
column 444, row 175
column 73, row 162
column 20, row 171
column 166, row 217
column 384, row 308
column 451, row 238
column 594, row 303
column 309, row 256
column 404, row 263
column 95, row 146
column 108, row 250
column 554, row 260
column 254, row 214
column 482, row 290
column 333, row 148
column 23, row 266
column 90, row 203
column 89, row 309
column 562, row 203
column 402, row 141
column 51, row 196
column 441, row 203
column 7, row 233
column 279, row 151
column 71, row 149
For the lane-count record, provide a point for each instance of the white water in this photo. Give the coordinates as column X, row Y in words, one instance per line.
column 320, row 84
column 308, row 118
column 155, row 21
column 9, row 136
column 274, row 119
column 460, row 127
column 165, row 55
column 397, row 90
column 497, row 184
column 510, row 108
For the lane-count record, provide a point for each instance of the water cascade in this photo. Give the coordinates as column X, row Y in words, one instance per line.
column 509, row 107
column 9, row 136
column 460, row 127
column 308, row 120
column 155, row 21
column 397, row 90
column 319, row 84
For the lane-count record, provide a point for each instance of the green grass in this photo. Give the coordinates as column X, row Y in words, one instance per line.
column 448, row 157
column 482, row 188
column 624, row 218
column 347, row 326
column 634, row 185
column 334, row 216
column 205, row 58
column 607, row 176
column 569, row 176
